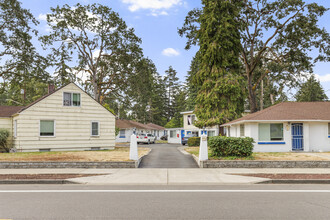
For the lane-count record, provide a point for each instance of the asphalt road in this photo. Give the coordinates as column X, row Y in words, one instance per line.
column 166, row 202
column 167, row 156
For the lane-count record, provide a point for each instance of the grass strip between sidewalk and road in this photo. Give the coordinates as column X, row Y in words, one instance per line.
column 118, row 154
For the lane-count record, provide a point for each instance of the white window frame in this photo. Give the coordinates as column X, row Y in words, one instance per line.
column 71, row 104
column 15, row 128
column 270, row 138
column 54, row 128
column 120, row 135
column 98, row 129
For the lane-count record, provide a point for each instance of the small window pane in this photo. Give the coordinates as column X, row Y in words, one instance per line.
column 122, row 133
column 47, row 128
column 276, row 132
column 67, row 99
column 264, row 132
column 76, row 99
column 328, row 129
column 95, row 128
column 242, row 130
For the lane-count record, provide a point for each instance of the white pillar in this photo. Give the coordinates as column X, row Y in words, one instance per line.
column 203, row 152
column 133, row 150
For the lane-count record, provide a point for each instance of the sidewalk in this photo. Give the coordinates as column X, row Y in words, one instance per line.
column 167, row 176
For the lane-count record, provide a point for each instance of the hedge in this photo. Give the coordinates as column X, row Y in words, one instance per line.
column 4, row 134
column 194, row 141
column 231, row 146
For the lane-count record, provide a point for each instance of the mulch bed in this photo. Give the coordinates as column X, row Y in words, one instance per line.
column 42, row 176
column 291, row 176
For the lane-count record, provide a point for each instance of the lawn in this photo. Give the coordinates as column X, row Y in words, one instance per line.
column 118, row 154
column 295, row 156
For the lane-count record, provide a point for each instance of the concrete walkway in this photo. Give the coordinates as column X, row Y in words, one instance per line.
column 167, row 156
column 167, row 177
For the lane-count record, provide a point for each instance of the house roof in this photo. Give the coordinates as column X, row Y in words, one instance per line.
column 7, row 111
column 290, row 111
column 154, row 126
column 120, row 123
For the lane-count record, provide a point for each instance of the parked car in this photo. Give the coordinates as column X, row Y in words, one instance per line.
column 164, row 138
column 146, row 138
column 184, row 140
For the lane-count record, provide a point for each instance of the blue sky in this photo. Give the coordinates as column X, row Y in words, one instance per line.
column 156, row 23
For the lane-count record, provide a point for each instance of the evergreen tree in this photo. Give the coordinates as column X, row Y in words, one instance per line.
column 172, row 87
column 220, row 97
column 191, row 87
column 311, row 91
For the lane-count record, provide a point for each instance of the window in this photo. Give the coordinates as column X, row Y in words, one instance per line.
column 195, row 133
column 210, row 133
column 172, row 134
column 242, row 130
column 47, row 128
column 329, row 130
column 15, row 128
column 122, row 133
column 270, row 132
column 71, row 99
column 95, row 128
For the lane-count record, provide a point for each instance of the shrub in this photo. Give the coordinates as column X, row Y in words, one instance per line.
column 194, row 141
column 4, row 134
column 231, row 146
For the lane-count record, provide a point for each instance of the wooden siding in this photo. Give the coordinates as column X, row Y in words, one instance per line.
column 72, row 124
column 6, row 123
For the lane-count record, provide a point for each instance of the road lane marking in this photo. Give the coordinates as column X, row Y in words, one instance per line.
column 166, row 191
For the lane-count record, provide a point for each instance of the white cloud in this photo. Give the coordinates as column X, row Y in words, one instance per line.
column 324, row 78
column 170, row 52
column 42, row 17
column 157, row 7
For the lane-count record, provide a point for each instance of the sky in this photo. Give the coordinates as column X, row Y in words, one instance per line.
column 156, row 22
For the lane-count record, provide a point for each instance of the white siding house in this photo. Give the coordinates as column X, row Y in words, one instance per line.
column 288, row 126
column 126, row 130
column 66, row 119
column 190, row 129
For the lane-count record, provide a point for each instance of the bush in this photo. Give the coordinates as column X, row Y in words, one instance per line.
column 231, row 146
column 4, row 134
column 194, row 141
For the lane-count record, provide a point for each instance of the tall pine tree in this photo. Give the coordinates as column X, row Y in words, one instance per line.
column 311, row 91
column 220, row 97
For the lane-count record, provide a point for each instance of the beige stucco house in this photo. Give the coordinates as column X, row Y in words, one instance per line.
column 288, row 126
column 64, row 119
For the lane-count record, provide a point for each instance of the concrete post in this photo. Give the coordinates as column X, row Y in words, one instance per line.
column 133, row 150
column 203, row 152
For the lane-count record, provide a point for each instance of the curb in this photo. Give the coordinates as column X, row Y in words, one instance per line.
column 296, row 181
column 40, row 181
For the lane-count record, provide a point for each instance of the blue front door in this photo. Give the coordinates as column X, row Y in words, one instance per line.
column 297, row 136
column 182, row 135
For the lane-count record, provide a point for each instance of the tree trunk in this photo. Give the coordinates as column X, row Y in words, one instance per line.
column 95, row 90
column 252, row 96
column 272, row 99
column 262, row 95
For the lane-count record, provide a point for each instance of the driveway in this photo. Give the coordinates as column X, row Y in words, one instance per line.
column 167, row 156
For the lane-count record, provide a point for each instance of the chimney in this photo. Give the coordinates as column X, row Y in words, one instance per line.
column 51, row 88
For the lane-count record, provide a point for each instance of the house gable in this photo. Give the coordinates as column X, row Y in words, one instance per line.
column 73, row 124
